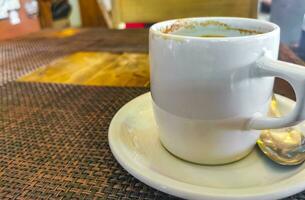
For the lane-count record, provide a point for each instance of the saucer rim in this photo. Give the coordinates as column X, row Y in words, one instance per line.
column 280, row 189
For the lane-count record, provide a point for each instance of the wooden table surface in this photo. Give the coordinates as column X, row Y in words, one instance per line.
column 72, row 46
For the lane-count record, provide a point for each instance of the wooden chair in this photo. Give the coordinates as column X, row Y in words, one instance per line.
column 45, row 14
column 46, row 18
column 91, row 14
column 150, row 11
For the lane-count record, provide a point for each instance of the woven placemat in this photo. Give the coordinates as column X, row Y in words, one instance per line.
column 53, row 143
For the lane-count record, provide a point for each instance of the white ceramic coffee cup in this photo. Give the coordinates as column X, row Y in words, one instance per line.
column 211, row 94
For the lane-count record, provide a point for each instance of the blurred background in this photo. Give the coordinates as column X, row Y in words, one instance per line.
column 20, row 17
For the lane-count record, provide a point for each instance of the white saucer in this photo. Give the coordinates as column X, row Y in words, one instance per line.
column 134, row 142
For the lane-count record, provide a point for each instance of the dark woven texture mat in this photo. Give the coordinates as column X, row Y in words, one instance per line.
column 53, row 138
column 53, row 143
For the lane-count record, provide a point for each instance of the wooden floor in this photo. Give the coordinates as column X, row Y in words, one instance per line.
column 95, row 68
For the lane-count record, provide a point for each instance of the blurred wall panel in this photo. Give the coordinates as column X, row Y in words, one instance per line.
column 27, row 25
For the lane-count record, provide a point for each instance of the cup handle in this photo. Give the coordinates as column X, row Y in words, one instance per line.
column 295, row 75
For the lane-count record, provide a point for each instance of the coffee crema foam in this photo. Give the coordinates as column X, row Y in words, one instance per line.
column 212, row 36
column 210, row 28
